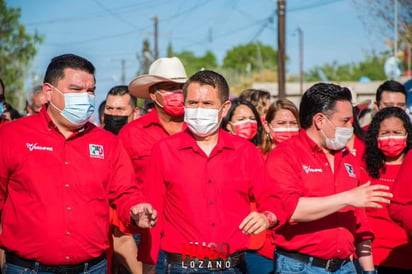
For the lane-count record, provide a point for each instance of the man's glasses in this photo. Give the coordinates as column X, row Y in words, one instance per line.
column 2, row 97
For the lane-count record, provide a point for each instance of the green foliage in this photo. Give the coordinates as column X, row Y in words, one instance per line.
column 193, row 64
column 250, row 57
column 17, row 50
column 371, row 67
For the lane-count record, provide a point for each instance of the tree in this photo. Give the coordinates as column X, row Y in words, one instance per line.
column 251, row 57
column 371, row 67
column 145, row 59
column 378, row 16
column 170, row 52
column 17, row 50
column 193, row 63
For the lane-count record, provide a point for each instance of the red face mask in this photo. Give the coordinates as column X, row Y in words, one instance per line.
column 282, row 134
column 173, row 102
column 246, row 129
column 392, row 146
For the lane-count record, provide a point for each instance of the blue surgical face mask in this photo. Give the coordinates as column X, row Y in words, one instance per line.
column 1, row 108
column 78, row 107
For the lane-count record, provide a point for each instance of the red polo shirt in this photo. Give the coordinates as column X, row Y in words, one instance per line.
column 391, row 246
column 204, row 198
column 55, row 192
column 138, row 137
column 400, row 208
column 299, row 168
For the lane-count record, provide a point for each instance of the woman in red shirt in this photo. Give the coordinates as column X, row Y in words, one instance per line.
column 388, row 139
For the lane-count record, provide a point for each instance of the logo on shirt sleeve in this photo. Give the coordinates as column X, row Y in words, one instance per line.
column 96, row 151
column 350, row 170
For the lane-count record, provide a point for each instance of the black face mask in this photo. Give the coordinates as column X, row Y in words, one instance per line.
column 114, row 123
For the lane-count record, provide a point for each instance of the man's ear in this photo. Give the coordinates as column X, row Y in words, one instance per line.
column 318, row 120
column 47, row 89
column 136, row 113
column 225, row 108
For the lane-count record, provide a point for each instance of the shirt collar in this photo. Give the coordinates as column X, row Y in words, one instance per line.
column 50, row 124
column 188, row 141
column 151, row 119
column 314, row 146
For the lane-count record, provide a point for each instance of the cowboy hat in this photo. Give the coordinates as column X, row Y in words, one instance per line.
column 160, row 71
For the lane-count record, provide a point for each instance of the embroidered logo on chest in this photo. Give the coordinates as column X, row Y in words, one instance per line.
column 308, row 169
column 96, row 151
column 35, row 146
column 349, row 170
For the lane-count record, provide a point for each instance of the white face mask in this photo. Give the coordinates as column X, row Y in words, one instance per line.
column 342, row 137
column 202, row 121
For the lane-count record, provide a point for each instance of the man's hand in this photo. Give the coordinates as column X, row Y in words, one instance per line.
column 254, row 223
column 144, row 215
column 368, row 195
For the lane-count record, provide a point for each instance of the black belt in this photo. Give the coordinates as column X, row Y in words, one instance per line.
column 234, row 260
column 330, row 265
column 60, row 269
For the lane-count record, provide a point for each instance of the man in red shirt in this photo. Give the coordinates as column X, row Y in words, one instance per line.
column 318, row 178
column 201, row 181
column 58, row 175
column 163, row 85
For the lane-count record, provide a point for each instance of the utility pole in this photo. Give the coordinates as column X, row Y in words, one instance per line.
column 123, row 72
column 395, row 44
column 156, row 37
column 281, row 12
column 301, row 73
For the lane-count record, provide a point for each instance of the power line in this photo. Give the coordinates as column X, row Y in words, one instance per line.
column 114, row 14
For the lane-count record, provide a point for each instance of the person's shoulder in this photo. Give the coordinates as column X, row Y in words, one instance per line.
column 27, row 122
column 136, row 125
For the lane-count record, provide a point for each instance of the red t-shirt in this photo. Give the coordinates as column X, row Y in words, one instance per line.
column 203, row 199
column 391, row 246
column 299, row 168
column 55, row 192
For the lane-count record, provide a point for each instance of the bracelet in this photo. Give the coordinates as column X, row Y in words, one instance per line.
column 270, row 217
column 370, row 272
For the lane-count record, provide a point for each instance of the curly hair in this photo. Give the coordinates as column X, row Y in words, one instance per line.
column 373, row 157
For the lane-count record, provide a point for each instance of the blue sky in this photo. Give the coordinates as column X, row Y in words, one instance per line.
column 106, row 31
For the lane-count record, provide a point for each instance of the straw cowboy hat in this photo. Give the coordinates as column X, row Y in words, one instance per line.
column 160, row 71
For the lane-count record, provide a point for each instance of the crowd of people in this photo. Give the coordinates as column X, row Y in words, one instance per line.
column 198, row 182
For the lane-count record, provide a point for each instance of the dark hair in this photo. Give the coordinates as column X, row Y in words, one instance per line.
column 101, row 111
column 121, row 91
column 257, row 140
column 211, row 78
column 357, row 129
column 321, row 98
column 389, row 86
column 55, row 70
column 373, row 157
column 257, row 97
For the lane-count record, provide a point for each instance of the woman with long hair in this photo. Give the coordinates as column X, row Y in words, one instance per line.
column 388, row 139
column 242, row 119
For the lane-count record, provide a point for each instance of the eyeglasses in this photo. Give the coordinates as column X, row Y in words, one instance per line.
column 2, row 98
